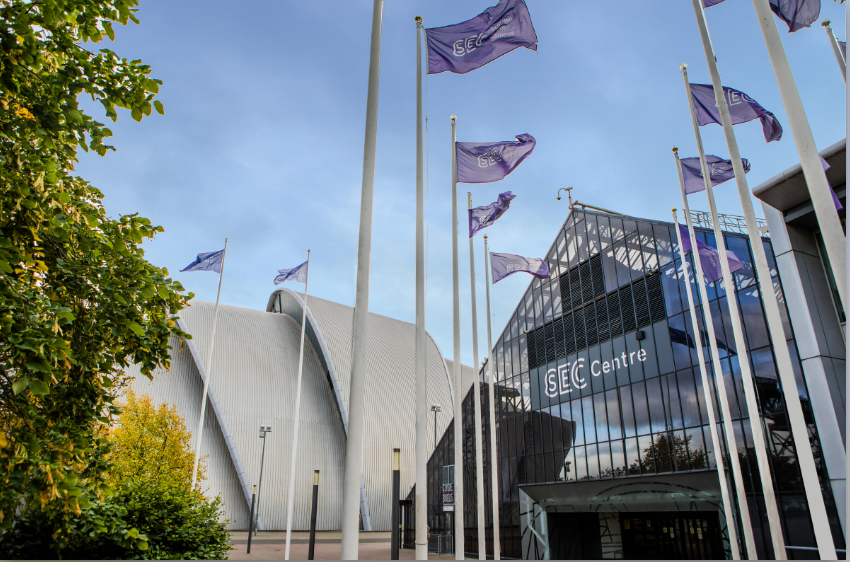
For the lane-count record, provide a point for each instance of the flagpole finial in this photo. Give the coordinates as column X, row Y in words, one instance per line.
column 674, row 210
column 418, row 19
column 676, row 149
column 453, row 117
column 485, row 237
column 826, row 22
column 683, row 67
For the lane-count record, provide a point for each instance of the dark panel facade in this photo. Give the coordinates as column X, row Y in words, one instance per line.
column 598, row 378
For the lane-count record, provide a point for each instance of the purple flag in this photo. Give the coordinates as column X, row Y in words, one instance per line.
column 843, row 45
column 298, row 273
column 502, row 265
column 742, row 108
column 482, row 217
column 797, row 14
column 207, row 261
column 719, row 170
column 479, row 162
column 835, row 200
column 709, row 257
column 465, row 46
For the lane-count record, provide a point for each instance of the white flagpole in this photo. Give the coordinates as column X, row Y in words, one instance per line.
column 746, row 523
column 458, row 379
column 290, row 502
column 356, row 406
column 828, row 221
column 208, row 367
column 839, row 56
column 479, row 453
column 491, row 383
column 740, row 342
column 828, row 425
column 421, row 443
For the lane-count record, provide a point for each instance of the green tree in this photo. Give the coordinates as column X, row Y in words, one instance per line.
column 667, row 448
column 78, row 301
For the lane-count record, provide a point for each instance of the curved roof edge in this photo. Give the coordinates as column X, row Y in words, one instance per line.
column 222, row 424
column 333, row 379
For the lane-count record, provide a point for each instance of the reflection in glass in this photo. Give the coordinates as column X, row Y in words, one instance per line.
column 592, row 461
column 604, row 232
column 523, row 354
column 529, row 310
column 688, row 398
column 605, row 469
column 635, row 259
column 663, row 245
column 628, row 411
column 656, row 405
column 613, row 404
column 547, row 302
column 670, row 287
column 641, row 412
column 647, row 243
column 743, row 277
column 592, row 236
column 581, row 241
column 538, row 303
column 674, row 409
column 753, row 317
column 647, row 454
column 621, row 259
column 601, row 418
column 589, row 424
column 609, row 271
column 618, row 458
column 515, row 357
column 617, row 232
column 632, row 456
column 572, row 251
column 576, row 416
column 696, row 448
column 580, row 464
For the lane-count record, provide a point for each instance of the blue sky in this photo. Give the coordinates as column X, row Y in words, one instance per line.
column 262, row 138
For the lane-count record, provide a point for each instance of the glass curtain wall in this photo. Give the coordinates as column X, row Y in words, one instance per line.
column 598, row 378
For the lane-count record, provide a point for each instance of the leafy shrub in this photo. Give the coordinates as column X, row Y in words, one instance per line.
column 144, row 521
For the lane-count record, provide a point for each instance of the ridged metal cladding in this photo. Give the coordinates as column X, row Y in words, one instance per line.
column 390, row 390
column 254, row 370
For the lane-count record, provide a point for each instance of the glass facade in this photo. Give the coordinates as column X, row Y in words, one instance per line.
column 598, row 378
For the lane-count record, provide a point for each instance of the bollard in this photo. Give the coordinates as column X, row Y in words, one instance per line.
column 394, row 524
column 313, row 515
column 251, row 519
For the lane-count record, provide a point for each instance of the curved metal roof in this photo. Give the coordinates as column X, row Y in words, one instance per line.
column 390, row 388
column 254, row 370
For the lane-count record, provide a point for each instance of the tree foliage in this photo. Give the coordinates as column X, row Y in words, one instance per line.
column 153, row 512
column 78, row 301
column 151, row 443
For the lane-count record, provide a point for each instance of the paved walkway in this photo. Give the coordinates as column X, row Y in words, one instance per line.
column 271, row 545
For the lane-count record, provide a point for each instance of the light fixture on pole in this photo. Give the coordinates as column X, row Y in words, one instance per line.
column 263, row 430
column 839, row 56
column 436, row 409
column 569, row 195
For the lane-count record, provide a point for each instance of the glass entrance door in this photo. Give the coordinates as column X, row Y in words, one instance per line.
column 671, row 535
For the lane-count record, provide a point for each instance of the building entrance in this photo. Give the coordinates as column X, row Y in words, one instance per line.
column 671, row 535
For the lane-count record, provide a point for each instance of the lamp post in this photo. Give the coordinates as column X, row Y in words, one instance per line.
column 394, row 524
column 435, row 408
column 263, row 430
column 313, row 512
column 251, row 518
